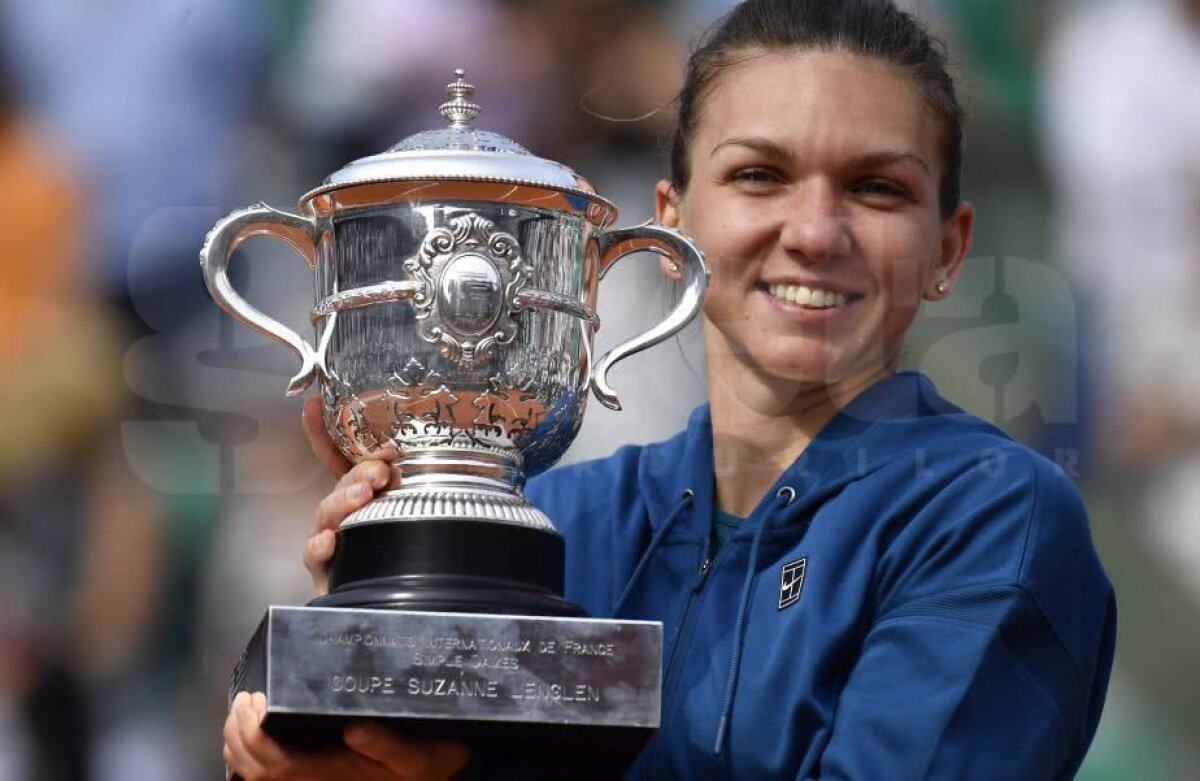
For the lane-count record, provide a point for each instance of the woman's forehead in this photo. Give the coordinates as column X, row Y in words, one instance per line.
column 827, row 100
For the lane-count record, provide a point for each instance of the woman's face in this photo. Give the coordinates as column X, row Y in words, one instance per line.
column 814, row 194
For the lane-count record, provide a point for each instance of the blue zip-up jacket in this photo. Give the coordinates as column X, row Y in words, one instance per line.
column 917, row 597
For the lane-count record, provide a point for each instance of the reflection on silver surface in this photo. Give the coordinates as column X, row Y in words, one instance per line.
column 469, row 294
column 388, row 384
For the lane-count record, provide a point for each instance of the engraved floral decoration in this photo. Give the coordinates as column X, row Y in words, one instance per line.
column 509, row 408
column 424, row 407
column 468, row 234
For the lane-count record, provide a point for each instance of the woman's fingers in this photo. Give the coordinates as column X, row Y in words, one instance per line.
column 353, row 491
column 408, row 758
column 374, row 472
column 248, row 750
column 256, row 757
column 237, row 756
column 340, row 502
column 313, row 420
column 317, row 554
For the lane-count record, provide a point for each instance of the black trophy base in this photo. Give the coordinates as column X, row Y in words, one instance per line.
column 459, row 566
column 534, row 697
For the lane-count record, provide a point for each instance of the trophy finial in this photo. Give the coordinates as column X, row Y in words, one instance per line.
column 459, row 111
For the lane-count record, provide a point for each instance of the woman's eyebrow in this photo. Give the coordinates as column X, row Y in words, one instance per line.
column 764, row 146
column 772, row 150
column 888, row 157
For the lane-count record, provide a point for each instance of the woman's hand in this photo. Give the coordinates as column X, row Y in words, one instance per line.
column 313, row 418
column 372, row 752
column 355, row 488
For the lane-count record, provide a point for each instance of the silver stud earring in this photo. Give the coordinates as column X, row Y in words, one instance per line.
column 941, row 287
column 673, row 267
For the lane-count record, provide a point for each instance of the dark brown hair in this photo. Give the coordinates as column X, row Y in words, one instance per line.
column 871, row 28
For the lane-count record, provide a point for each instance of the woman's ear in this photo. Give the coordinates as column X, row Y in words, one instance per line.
column 666, row 212
column 666, row 204
column 955, row 244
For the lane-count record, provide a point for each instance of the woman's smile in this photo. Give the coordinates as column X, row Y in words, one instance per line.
column 806, row 296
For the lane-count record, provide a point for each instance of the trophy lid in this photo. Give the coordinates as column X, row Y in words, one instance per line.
column 460, row 152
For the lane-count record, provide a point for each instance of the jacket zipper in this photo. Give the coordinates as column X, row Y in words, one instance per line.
column 684, row 634
column 682, row 637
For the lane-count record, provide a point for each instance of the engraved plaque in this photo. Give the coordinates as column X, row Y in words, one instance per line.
column 377, row 663
column 534, row 693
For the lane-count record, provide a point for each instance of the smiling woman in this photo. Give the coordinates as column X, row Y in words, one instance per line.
column 813, row 187
column 856, row 578
column 840, row 212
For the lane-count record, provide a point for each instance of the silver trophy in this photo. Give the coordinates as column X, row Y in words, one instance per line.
column 456, row 280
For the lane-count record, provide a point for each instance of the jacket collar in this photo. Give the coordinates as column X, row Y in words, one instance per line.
column 891, row 418
column 682, row 463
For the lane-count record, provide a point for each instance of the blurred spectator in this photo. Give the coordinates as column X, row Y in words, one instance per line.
column 1121, row 105
column 59, row 391
column 382, row 68
column 1123, row 119
column 1122, row 108
column 85, row 551
column 148, row 95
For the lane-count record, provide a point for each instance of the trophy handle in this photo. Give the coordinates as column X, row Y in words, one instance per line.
column 219, row 246
column 650, row 236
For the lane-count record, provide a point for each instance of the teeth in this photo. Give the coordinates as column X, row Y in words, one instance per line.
column 808, row 297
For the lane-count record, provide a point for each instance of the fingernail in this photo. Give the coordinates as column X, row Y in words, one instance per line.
column 359, row 491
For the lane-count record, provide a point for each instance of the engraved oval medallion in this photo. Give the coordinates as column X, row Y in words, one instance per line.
column 469, row 294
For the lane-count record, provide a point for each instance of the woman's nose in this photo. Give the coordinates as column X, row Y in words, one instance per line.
column 814, row 227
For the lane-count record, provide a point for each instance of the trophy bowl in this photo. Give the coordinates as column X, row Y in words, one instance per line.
column 456, row 279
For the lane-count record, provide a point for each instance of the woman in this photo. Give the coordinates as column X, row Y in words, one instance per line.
column 856, row 579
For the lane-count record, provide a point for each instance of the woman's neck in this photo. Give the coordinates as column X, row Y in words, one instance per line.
column 762, row 424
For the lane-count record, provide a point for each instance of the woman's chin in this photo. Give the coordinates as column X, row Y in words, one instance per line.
column 802, row 369
column 815, row 370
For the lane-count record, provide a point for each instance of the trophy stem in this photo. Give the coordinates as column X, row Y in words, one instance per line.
column 464, row 468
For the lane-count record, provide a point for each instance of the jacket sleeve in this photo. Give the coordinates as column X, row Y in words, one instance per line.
column 965, row 685
column 987, row 680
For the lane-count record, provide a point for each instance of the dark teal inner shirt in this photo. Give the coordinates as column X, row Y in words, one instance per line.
column 724, row 525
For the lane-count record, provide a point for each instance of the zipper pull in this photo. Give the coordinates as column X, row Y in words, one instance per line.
column 705, row 568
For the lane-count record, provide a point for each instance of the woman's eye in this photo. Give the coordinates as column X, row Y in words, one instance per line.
column 880, row 188
column 756, row 176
